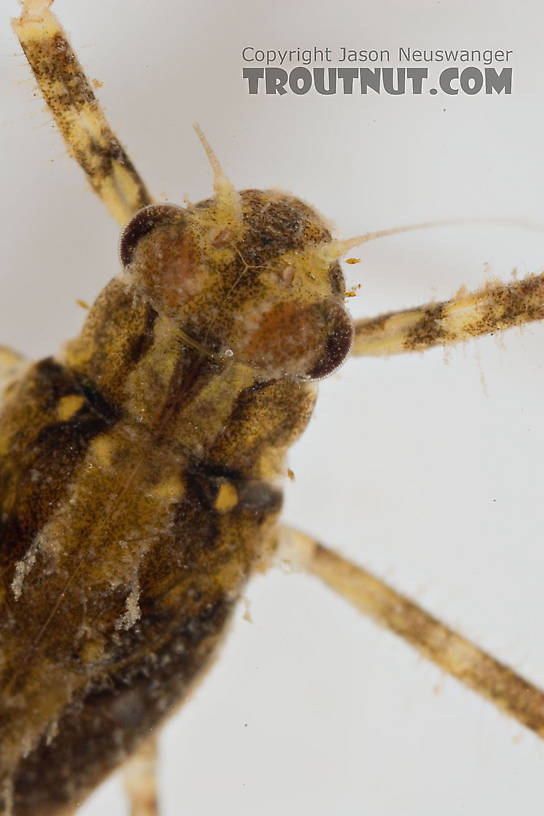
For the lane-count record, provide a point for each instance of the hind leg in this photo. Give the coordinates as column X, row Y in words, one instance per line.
column 449, row 650
column 140, row 774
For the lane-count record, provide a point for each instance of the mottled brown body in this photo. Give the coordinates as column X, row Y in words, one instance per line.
column 139, row 479
column 139, row 470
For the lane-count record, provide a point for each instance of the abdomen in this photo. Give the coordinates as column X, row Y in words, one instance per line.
column 122, row 559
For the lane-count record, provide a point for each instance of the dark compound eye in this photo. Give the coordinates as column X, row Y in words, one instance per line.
column 336, row 279
column 143, row 223
column 337, row 346
column 290, row 339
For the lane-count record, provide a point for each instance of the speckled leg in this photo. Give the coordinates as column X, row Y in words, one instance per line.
column 450, row 651
column 493, row 308
column 140, row 774
column 77, row 112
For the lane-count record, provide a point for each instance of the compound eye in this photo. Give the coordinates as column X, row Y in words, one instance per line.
column 290, row 339
column 143, row 223
column 337, row 345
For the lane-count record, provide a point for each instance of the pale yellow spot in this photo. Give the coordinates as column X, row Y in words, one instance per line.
column 118, row 190
column 92, row 651
column 124, row 192
column 171, row 489
column 157, row 367
column 9, row 358
column 56, row 88
column 103, row 447
column 68, row 406
column 12, row 366
column 311, row 272
column 229, row 207
column 271, row 464
column 89, row 123
column 132, row 610
column 227, row 498
column 36, row 21
column 247, row 611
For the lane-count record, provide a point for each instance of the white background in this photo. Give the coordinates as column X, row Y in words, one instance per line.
column 427, row 469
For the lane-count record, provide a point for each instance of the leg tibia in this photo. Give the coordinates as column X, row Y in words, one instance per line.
column 452, row 652
column 78, row 115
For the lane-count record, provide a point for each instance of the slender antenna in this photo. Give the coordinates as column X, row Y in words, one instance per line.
column 334, row 250
column 226, row 194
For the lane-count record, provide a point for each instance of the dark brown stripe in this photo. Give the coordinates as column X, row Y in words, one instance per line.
column 39, row 468
column 141, row 343
column 143, row 223
column 55, row 64
column 191, row 374
column 55, row 61
column 275, row 226
column 427, row 331
column 267, row 415
column 99, row 729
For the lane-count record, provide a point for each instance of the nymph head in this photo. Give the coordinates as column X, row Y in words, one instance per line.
column 250, row 275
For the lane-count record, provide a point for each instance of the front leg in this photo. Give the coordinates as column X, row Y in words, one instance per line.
column 77, row 111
